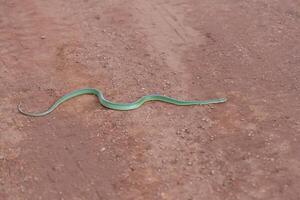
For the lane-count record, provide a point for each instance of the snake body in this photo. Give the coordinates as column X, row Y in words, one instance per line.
column 119, row 106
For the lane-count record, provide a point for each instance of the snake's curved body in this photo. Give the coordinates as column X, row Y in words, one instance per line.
column 119, row 106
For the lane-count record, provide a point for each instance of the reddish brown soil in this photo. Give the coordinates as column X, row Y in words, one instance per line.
column 247, row 51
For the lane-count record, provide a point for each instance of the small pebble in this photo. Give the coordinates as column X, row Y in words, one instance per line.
column 103, row 149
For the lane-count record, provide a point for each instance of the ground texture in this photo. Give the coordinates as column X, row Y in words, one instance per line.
column 247, row 51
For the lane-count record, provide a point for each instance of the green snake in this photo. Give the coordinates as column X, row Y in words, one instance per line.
column 119, row 106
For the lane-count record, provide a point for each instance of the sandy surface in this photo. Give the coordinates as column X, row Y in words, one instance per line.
column 247, row 51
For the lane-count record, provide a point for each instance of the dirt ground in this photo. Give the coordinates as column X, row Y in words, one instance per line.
column 246, row 50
